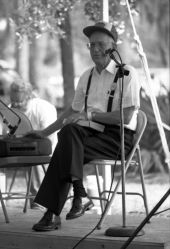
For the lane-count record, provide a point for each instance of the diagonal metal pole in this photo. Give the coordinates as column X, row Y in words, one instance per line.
column 148, row 217
column 152, row 97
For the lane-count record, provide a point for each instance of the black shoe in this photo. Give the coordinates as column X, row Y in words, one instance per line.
column 78, row 209
column 48, row 222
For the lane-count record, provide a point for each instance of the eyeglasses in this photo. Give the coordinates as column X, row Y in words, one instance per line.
column 100, row 45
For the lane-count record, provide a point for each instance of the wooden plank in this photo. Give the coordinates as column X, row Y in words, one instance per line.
column 46, row 240
column 19, row 235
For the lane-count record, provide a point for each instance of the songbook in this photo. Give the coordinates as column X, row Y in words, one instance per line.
column 91, row 124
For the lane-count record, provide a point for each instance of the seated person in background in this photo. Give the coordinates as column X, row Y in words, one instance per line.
column 41, row 114
column 79, row 142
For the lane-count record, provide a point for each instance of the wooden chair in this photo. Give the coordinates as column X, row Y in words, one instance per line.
column 19, row 162
column 141, row 124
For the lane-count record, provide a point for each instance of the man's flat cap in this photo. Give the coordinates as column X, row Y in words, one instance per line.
column 104, row 27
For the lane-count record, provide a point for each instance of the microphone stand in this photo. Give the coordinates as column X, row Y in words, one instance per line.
column 12, row 129
column 123, row 231
column 146, row 220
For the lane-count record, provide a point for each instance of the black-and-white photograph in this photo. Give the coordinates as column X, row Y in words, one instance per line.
column 84, row 124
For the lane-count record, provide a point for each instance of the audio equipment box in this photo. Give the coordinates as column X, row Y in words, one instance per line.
column 24, row 146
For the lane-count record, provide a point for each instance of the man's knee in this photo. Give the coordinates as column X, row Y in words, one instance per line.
column 69, row 129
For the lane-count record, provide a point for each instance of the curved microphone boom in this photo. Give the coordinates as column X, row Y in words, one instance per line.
column 120, row 65
column 110, row 52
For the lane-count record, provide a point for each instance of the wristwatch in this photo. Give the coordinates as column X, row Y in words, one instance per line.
column 89, row 116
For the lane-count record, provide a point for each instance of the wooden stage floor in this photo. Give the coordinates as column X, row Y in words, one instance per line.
column 18, row 233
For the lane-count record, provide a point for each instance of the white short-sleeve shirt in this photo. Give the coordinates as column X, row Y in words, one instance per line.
column 100, row 88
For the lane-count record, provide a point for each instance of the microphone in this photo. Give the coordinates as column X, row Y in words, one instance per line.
column 120, row 65
column 109, row 51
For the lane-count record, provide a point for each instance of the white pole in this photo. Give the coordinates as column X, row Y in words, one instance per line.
column 106, row 171
column 105, row 10
column 153, row 99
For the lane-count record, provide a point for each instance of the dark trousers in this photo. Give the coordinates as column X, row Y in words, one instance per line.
column 77, row 146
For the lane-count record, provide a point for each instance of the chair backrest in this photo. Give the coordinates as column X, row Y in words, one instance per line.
column 141, row 124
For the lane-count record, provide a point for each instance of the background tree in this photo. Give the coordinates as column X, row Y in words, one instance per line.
column 32, row 20
column 67, row 62
column 5, row 30
column 154, row 15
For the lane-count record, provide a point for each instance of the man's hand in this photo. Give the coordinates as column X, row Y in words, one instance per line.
column 75, row 117
column 34, row 134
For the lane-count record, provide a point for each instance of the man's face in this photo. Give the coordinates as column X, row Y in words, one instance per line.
column 98, row 43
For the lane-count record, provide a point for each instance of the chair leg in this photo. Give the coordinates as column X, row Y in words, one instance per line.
column 99, row 187
column 28, row 190
column 44, row 169
column 142, row 180
column 4, row 208
column 109, row 203
column 13, row 180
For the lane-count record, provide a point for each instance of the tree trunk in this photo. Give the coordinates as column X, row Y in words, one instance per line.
column 67, row 64
column 4, row 29
column 22, row 54
column 36, row 56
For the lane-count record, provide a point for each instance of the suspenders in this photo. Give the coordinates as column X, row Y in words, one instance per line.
column 111, row 96
column 87, row 90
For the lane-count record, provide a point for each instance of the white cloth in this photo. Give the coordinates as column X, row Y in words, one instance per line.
column 101, row 85
column 41, row 114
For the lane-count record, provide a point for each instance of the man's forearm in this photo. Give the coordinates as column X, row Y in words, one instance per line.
column 113, row 117
column 52, row 128
column 105, row 118
column 58, row 124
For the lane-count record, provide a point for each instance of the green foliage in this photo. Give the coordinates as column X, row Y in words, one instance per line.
column 117, row 12
column 35, row 17
column 93, row 9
